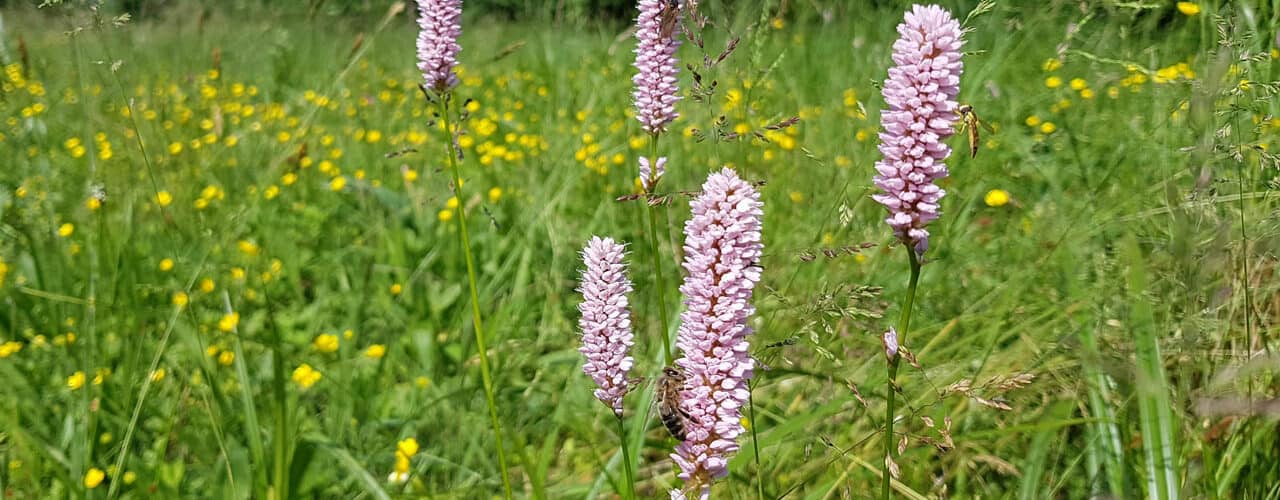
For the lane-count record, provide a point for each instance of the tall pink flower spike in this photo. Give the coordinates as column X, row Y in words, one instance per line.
column 656, row 90
column 440, row 24
column 606, row 320
column 921, row 96
column 721, row 251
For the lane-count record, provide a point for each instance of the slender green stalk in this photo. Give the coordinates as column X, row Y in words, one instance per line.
column 658, row 282
column 904, row 323
column 475, row 295
column 280, row 413
column 630, row 492
column 755, row 441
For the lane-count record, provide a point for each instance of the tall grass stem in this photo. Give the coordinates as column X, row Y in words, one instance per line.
column 655, row 249
column 630, row 492
column 475, row 295
column 904, row 323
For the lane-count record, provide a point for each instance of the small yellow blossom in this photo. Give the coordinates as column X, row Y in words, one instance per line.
column 226, row 358
column 76, row 380
column 1188, row 8
column 163, row 198
column 66, row 230
column 407, row 447
column 996, row 198
column 1078, row 84
column 445, row 215
column 1048, row 128
column 229, row 321
column 1053, row 82
column 180, row 299
column 326, row 343
column 1051, row 65
column 248, row 247
column 157, row 375
column 93, row 203
column 9, row 348
column 305, row 376
column 338, row 183
column 397, row 289
column 495, row 194
column 207, row 285
column 375, row 351
column 1032, row 121
column 94, row 477
column 166, row 264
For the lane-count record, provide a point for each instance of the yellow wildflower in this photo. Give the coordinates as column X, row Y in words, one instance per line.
column 229, row 321
column 76, row 380
column 94, row 477
column 326, row 343
column 996, row 198
column 306, row 376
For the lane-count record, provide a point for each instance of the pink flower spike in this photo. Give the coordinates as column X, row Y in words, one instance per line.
column 920, row 93
column 656, row 91
column 606, row 320
column 440, row 24
column 721, row 250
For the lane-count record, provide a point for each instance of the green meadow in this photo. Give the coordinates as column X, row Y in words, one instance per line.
column 230, row 267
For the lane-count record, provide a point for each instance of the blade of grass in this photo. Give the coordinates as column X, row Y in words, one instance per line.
column 1155, row 413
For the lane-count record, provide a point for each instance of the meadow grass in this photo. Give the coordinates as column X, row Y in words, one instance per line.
column 268, row 289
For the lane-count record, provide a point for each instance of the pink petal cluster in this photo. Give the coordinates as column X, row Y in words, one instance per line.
column 606, row 321
column 440, row 23
column 921, row 96
column 655, row 94
column 650, row 175
column 721, row 250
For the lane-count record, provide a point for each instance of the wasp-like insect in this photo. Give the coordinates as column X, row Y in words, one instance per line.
column 673, row 416
column 972, row 123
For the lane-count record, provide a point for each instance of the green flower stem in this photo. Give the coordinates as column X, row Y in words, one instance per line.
column 654, row 249
column 904, row 323
column 475, row 295
column 630, row 492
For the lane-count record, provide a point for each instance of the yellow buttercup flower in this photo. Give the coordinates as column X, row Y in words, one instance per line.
column 375, row 351
column 326, row 343
column 66, row 230
column 1188, row 8
column 306, row 376
column 229, row 321
column 94, row 477
column 996, row 198
column 76, row 380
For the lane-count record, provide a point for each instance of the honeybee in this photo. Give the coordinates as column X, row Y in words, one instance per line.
column 673, row 416
column 670, row 17
column 972, row 123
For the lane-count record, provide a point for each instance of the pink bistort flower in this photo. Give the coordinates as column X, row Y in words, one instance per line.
column 656, row 91
column 721, row 250
column 921, row 96
column 606, row 320
column 440, row 23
